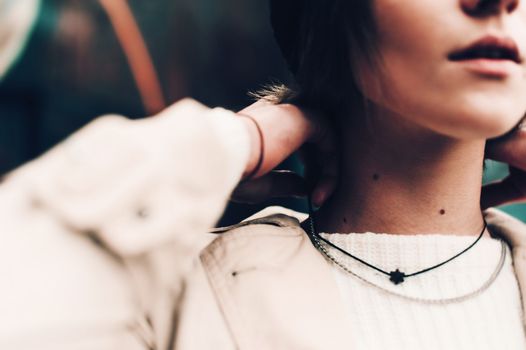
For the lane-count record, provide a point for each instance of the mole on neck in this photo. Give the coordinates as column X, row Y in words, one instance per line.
column 403, row 182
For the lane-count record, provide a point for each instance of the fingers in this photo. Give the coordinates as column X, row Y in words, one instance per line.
column 286, row 128
column 510, row 149
column 256, row 105
column 327, row 181
column 322, row 164
column 510, row 190
column 517, row 182
column 273, row 185
column 498, row 193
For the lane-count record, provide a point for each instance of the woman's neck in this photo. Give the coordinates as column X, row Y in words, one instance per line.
column 403, row 179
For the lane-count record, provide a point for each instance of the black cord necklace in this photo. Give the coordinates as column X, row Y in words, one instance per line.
column 396, row 276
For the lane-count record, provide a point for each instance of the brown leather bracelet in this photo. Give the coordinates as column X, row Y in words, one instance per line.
column 256, row 170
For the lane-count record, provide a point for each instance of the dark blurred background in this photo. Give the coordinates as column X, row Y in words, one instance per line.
column 74, row 69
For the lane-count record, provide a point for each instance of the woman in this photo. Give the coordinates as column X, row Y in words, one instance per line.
column 128, row 215
column 414, row 88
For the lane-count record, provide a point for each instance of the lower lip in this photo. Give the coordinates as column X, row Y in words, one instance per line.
column 493, row 68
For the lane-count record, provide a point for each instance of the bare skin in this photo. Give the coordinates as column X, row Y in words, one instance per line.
column 510, row 149
column 286, row 129
column 414, row 165
column 404, row 180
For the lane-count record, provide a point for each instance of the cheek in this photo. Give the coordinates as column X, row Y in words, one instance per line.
column 444, row 101
column 407, row 35
column 418, row 83
column 413, row 27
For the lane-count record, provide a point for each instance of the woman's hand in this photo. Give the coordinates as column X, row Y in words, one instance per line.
column 510, row 149
column 286, row 129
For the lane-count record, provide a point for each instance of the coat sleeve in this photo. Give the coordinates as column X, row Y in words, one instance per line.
column 138, row 184
column 96, row 234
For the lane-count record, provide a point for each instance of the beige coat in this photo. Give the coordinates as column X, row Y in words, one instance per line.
column 103, row 246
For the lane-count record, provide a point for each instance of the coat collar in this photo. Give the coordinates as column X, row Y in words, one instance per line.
column 513, row 231
column 264, row 272
column 269, row 282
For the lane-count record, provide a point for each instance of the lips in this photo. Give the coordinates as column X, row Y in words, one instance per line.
column 489, row 48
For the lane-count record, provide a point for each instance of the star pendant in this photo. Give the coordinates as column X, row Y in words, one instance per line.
column 397, row 276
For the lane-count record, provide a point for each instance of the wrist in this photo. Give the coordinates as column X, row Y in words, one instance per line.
column 255, row 158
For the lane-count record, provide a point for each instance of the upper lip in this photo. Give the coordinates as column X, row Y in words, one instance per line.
column 489, row 46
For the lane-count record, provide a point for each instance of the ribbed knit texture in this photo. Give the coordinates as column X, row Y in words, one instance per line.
column 378, row 320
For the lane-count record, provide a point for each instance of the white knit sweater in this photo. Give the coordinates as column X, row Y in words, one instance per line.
column 378, row 320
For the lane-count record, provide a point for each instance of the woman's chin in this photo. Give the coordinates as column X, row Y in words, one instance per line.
column 478, row 123
column 486, row 128
column 497, row 125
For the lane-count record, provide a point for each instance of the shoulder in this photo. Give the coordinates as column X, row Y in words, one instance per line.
column 513, row 231
column 265, row 269
column 269, row 236
column 271, row 221
column 507, row 227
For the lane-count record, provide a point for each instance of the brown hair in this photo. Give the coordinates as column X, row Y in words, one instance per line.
column 322, row 41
